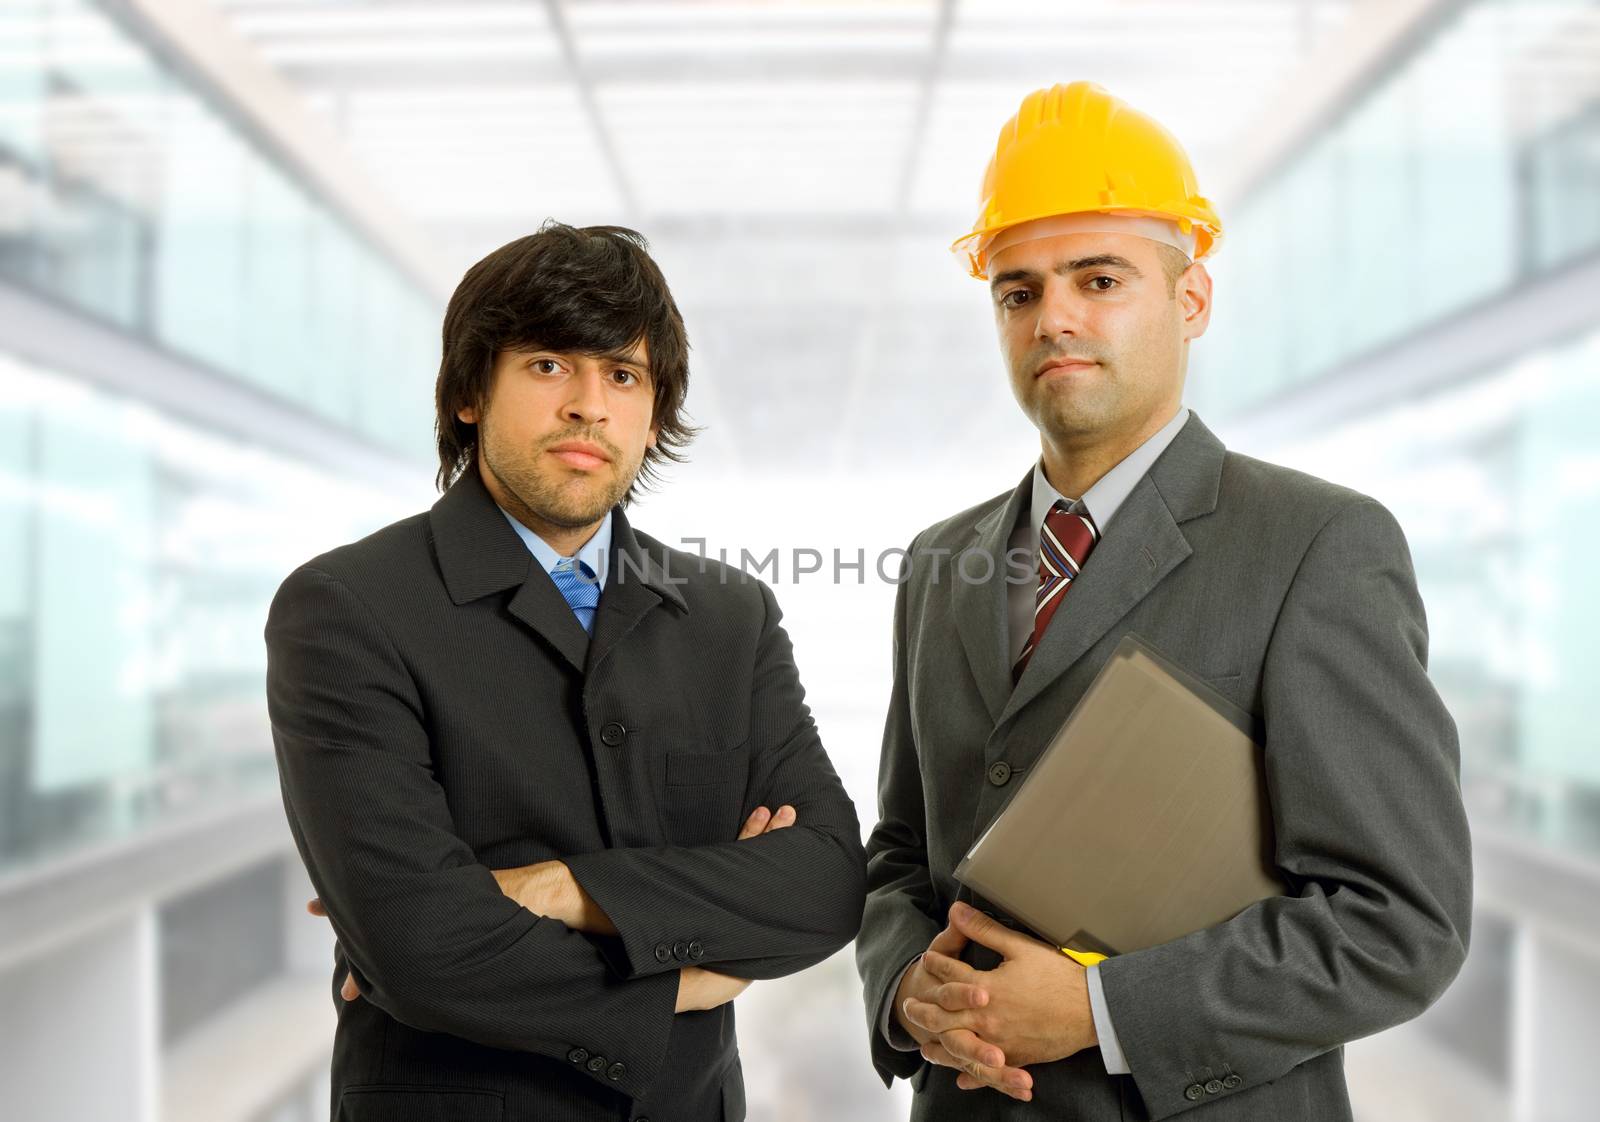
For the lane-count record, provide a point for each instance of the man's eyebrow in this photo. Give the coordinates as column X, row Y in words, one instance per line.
column 626, row 358
column 1008, row 276
column 1098, row 261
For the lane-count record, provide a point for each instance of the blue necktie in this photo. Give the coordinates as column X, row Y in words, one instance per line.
column 582, row 592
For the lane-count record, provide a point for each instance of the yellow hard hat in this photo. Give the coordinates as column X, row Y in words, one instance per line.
column 1074, row 149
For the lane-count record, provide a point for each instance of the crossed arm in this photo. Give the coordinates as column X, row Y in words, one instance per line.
column 432, row 935
column 548, row 889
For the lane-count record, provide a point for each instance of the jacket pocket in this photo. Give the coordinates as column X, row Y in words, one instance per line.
column 703, row 795
column 407, row 1102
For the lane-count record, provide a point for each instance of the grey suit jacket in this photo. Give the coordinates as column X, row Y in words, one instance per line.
column 1296, row 598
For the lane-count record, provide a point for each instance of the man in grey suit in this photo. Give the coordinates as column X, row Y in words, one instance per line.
column 1293, row 596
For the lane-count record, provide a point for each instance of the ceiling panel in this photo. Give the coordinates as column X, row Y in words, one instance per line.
column 799, row 167
column 480, row 110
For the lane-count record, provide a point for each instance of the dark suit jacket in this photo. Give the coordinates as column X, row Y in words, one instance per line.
column 1296, row 598
column 438, row 712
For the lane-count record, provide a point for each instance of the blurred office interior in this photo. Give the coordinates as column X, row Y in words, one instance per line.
column 228, row 229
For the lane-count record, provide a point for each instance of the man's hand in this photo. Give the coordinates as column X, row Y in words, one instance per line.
column 981, row 1062
column 699, row 988
column 764, row 821
column 1033, row 1007
column 349, row 991
column 547, row 888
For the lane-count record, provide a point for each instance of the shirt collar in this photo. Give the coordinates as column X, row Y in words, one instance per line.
column 1107, row 494
column 592, row 553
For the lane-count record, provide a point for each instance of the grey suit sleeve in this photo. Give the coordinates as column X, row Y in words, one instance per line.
column 889, row 1024
column 900, row 919
column 426, row 931
column 766, row 906
column 1362, row 771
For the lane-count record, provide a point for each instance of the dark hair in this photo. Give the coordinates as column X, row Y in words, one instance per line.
column 589, row 289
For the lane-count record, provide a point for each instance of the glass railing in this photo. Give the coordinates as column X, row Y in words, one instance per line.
column 1471, row 167
column 127, row 195
column 1496, row 480
column 137, row 559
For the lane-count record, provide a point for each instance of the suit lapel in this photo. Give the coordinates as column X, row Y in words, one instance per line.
column 479, row 554
column 635, row 583
column 980, row 607
column 1140, row 548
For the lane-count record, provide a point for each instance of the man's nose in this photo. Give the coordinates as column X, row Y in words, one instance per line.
column 1059, row 312
column 588, row 400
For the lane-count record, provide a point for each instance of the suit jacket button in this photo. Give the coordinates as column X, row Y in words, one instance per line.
column 663, row 952
column 613, row 734
column 1213, row 1086
column 680, row 950
column 1000, row 773
column 578, row 1055
column 696, row 951
column 1231, row 1082
column 615, row 1072
column 1194, row 1091
column 596, row 1063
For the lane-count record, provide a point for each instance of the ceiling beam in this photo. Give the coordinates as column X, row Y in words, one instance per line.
column 584, row 86
column 926, row 85
column 228, row 70
column 854, row 406
column 1324, row 86
column 688, row 68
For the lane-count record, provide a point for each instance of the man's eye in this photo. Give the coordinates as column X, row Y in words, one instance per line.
column 1015, row 298
column 627, row 375
column 1102, row 277
column 546, row 365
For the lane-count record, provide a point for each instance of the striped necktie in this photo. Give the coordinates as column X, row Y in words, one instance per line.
column 582, row 592
column 1065, row 542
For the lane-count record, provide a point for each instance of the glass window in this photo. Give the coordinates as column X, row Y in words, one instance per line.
column 198, row 269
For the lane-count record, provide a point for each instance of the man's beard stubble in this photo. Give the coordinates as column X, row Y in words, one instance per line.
column 1070, row 412
column 569, row 507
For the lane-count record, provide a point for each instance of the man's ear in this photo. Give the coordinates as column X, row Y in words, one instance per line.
column 467, row 415
column 1194, row 300
column 650, row 440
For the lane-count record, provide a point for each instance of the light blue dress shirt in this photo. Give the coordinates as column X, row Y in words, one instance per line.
column 593, row 553
column 1100, row 502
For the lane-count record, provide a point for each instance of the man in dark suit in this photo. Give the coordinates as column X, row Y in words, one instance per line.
column 1293, row 596
column 527, row 751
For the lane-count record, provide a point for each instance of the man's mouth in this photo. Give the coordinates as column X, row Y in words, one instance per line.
column 580, row 454
column 1064, row 366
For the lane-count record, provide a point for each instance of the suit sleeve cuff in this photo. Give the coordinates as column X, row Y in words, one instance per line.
column 643, row 945
column 1110, row 1050
column 889, row 1025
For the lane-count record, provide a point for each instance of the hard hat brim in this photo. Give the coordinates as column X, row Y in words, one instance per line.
column 971, row 248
